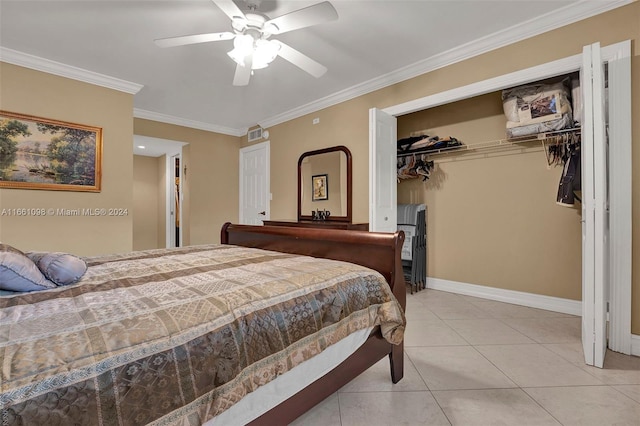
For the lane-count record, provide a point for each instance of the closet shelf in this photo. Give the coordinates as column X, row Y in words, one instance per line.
column 546, row 137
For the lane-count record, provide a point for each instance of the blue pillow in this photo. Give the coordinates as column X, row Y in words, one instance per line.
column 19, row 273
column 61, row 268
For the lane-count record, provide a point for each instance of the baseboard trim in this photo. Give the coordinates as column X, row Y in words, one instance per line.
column 635, row 344
column 555, row 304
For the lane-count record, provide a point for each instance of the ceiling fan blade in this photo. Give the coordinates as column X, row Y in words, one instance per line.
column 301, row 60
column 301, row 18
column 243, row 73
column 193, row 39
column 229, row 8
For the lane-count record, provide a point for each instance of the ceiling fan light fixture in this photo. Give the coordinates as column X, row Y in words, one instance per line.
column 265, row 52
column 242, row 47
column 243, row 43
column 237, row 57
column 252, row 48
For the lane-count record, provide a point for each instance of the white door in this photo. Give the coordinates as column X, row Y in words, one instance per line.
column 618, row 57
column 594, row 217
column 254, row 184
column 383, row 187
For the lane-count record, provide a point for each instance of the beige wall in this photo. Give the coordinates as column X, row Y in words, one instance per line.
column 347, row 124
column 494, row 212
column 145, row 202
column 210, row 186
column 44, row 95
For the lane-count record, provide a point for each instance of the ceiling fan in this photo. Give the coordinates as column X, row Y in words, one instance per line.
column 252, row 48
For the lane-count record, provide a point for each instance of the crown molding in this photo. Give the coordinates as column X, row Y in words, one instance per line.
column 169, row 119
column 52, row 67
column 575, row 12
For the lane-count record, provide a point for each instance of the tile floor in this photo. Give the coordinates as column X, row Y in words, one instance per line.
column 471, row 361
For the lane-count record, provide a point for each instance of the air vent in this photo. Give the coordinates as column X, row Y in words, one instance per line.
column 255, row 134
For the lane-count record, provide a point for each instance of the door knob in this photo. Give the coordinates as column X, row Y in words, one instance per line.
column 263, row 213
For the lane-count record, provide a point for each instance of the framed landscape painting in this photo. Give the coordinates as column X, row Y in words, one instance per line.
column 39, row 153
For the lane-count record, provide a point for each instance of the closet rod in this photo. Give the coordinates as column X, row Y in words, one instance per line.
column 493, row 144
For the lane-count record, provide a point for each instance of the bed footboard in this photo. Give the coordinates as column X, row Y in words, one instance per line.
column 375, row 250
column 378, row 251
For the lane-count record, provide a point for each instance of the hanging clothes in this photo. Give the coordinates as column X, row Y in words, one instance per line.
column 411, row 167
column 571, row 179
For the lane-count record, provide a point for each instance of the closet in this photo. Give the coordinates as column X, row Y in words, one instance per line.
column 493, row 219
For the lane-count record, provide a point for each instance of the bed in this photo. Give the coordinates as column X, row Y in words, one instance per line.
column 183, row 336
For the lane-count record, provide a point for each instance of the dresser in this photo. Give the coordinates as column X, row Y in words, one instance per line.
column 327, row 224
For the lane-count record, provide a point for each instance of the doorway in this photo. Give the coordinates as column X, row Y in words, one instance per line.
column 168, row 185
column 255, row 195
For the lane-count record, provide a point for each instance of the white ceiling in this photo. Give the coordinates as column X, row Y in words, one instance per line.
column 372, row 44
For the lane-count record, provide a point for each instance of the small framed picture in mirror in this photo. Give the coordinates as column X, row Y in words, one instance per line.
column 320, row 189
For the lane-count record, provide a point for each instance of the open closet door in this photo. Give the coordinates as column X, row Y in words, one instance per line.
column 594, row 218
column 382, row 171
column 618, row 58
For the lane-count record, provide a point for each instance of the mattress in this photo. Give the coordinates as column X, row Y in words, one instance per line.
column 178, row 336
column 288, row 384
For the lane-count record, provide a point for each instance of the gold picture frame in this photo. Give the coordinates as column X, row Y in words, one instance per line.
column 319, row 189
column 40, row 153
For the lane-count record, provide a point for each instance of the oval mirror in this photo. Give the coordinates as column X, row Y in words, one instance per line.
column 324, row 184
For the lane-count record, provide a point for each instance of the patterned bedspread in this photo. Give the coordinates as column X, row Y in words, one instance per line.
column 177, row 336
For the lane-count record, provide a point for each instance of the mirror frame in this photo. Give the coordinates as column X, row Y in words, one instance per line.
column 331, row 218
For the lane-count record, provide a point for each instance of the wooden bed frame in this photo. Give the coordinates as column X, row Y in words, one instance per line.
column 378, row 251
